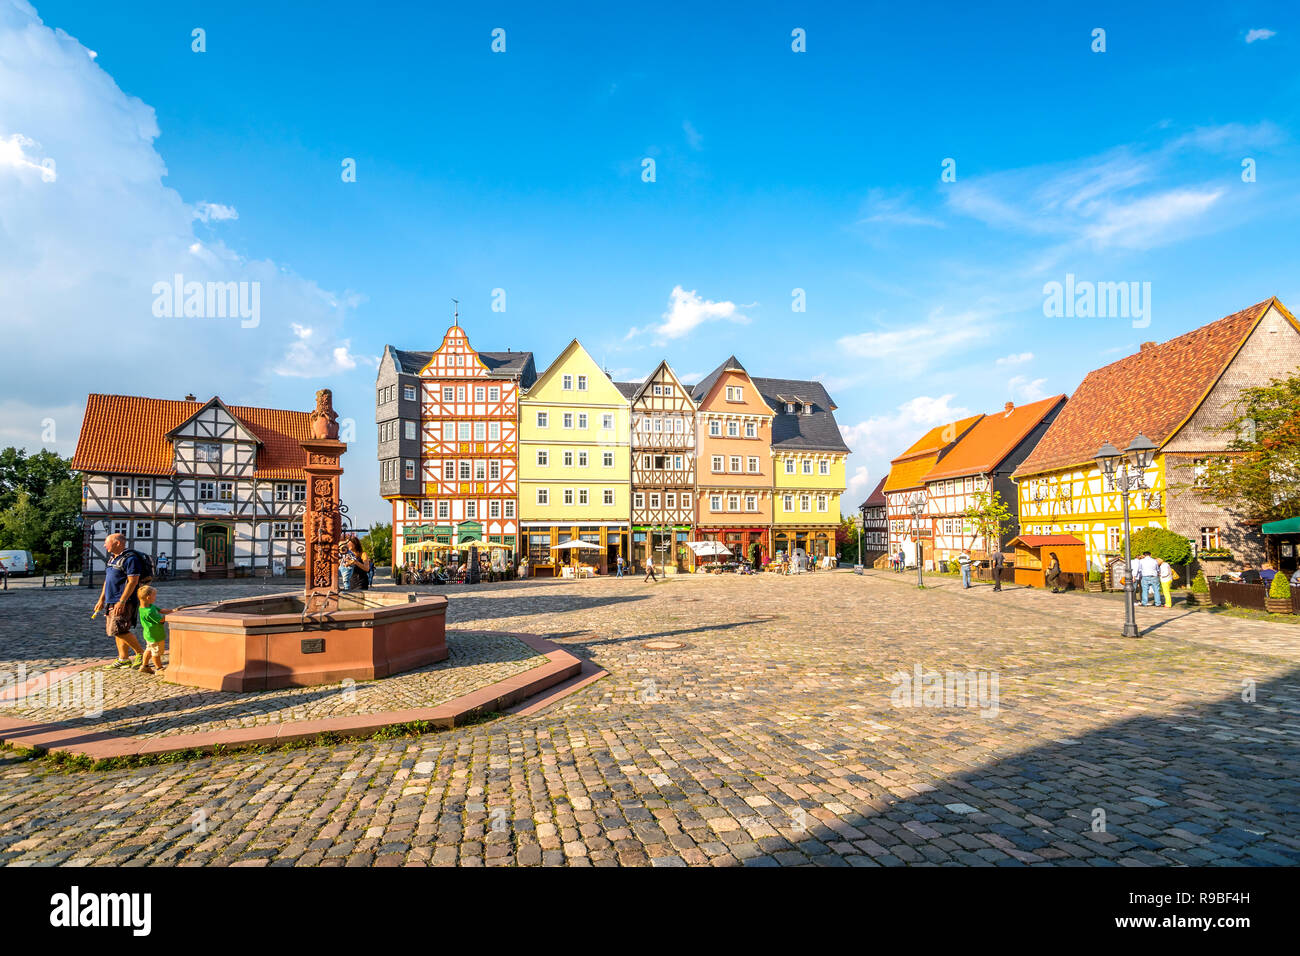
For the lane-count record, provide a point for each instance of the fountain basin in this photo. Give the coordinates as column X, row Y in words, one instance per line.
column 270, row 641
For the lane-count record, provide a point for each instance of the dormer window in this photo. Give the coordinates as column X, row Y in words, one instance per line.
column 808, row 409
column 789, row 408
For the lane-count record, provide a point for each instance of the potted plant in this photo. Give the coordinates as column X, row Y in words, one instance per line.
column 1096, row 581
column 1200, row 590
column 1279, row 596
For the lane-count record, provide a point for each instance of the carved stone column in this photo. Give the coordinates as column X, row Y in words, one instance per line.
column 322, row 520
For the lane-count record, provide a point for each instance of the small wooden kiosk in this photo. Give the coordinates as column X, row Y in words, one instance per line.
column 1033, row 554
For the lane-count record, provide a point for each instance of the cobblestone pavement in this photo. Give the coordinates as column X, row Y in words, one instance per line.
column 773, row 735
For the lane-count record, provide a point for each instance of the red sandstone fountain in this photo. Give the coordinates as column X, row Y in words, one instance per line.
column 321, row 636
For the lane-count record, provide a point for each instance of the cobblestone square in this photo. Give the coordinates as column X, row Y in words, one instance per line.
column 746, row 721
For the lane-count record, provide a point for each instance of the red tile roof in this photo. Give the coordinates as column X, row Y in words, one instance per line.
column 1152, row 392
column 877, row 498
column 126, row 434
column 909, row 469
column 992, row 439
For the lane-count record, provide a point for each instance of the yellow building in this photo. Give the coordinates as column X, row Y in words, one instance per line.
column 1178, row 394
column 808, row 466
column 575, row 479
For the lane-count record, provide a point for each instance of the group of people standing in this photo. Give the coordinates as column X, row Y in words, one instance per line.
column 1154, row 578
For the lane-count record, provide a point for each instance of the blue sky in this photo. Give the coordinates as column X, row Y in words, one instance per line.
column 522, row 171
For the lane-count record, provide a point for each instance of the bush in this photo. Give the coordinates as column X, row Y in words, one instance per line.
column 1280, row 588
column 1162, row 543
column 1199, row 584
column 1095, row 576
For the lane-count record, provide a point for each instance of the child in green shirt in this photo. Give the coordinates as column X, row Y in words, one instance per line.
column 155, row 631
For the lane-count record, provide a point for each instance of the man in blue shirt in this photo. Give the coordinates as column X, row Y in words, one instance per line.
column 118, row 598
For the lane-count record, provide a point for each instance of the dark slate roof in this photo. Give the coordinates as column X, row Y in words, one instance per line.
column 798, row 431
column 629, row 389
column 500, row 364
column 700, row 391
column 877, row 498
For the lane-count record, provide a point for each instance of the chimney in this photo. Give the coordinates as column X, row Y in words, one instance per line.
column 1011, row 407
column 190, row 398
column 1146, row 345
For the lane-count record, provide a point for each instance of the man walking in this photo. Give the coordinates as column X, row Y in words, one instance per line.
column 619, row 572
column 650, row 569
column 1149, row 568
column 997, row 570
column 963, row 560
column 118, row 598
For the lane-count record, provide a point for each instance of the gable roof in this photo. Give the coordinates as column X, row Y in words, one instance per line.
column 796, row 431
column 706, row 384
column 127, row 434
column 909, row 469
column 574, row 348
column 993, row 438
column 499, row 364
column 1152, row 392
column 629, row 389
column 877, row 498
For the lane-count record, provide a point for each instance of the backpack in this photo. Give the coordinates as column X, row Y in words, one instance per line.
column 146, row 565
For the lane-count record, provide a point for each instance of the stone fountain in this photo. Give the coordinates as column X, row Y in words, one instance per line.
column 318, row 636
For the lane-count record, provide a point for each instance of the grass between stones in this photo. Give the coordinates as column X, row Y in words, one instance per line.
column 70, row 762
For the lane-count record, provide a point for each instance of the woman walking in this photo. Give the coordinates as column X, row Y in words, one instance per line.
column 1053, row 576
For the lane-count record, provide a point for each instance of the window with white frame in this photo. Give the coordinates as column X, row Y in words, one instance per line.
column 480, row 470
column 715, row 428
column 494, row 508
column 408, row 392
column 144, row 487
column 568, row 496
column 582, row 421
column 582, row 459
column 654, row 499
column 566, row 383
column 280, row 529
column 715, row 502
column 582, row 383
column 408, row 430
column 609, row 496
column 807, row 466
column 412, row 510
column 751, row 430
column 300, row 491
column 805, row 503
column 282, row 491
column 444, row 510
column 465, row 467
column 735, row 393
column 638, row 499
column 734, row 463
column 295, row 528
column 733, row 429
column 751, row 502
column 471, row 508
column 480, row 393
column 494, row 393
column 659, row 424
column 448, row 393
column 426, row 508
column 510, row 508
column 607, row 422
column 122, row 487
column 1209, row 539
column 568, row 459
column 677, row 462
column 733, row 502
column 144, row 529
column 494, row 469
column 686, row 500
column 225, row 491
column 607, row 459
column 717, row 463
column 449, row 431
column 449, row 470
column 463, row 428
column 567, row 420
column 823, row 467
column 543, row 420
column 787, row 502
column 207, row 452
column 753, row 465
column 410, row 469
column 494, row 431
column 670, row 499
column 789, row 466
column 543, row 458
column 480, row 431
column 582, row 496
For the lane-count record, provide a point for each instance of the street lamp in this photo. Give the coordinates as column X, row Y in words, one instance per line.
column 1123, row 472
column 862, row 523
column 917, row 507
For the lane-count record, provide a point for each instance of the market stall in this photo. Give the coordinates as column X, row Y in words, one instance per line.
column 1034, row 552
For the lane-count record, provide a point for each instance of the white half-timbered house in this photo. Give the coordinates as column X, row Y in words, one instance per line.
column 663, row 468
column 183, row 477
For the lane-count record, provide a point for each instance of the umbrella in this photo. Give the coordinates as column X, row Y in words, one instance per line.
column 708, row 547
column 575, row 543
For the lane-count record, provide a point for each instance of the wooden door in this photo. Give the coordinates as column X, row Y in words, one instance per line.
column 215, row 542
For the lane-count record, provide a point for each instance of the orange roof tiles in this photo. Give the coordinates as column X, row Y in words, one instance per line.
column 992, row 439
column 940, row 437
column 126, row 434
column 909, row 469
column 1152, row 392
column 909, row 474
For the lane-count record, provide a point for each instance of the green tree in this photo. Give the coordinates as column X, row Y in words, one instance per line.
column 378, row 543
column 1259, row 478
column 1162, row 543
column 989, row 515
column 40, row 506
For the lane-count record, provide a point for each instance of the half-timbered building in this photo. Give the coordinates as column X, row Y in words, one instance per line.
column 733, row 480
column 1179, row 394
column 808, row 461
column 979, row 464
column 575, row 475
column 183, row 477
column 875, row 524
column 663, row 469
column 906, row 484
column 448, row 425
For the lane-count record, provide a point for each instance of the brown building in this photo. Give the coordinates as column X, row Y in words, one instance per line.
column 663, row 469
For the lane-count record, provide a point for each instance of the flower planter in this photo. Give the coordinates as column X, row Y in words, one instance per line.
column 1195, row 599
column 1096, row 587
column 1278, row 605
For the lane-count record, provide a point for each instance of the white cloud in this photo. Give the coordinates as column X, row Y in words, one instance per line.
column 21, row 153
column 214, row 212
column 1019, row 358
column 1147, row 222
column 1261, row 34
column 887, row 436
column 1023, row 389
column 908, row 350
column 688, row 310
column 83, row 252
column 859, row 485
column 882, row 208
column 693, row 136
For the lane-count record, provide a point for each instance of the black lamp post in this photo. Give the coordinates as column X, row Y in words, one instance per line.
column 917, row 507
column 1124, row 473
